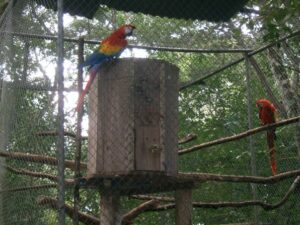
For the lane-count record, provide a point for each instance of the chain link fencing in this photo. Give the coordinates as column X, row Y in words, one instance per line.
column 141, row 150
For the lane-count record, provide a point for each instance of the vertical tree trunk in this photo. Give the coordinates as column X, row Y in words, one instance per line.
column 290, row 99
column 267, row 87
column 295, row 62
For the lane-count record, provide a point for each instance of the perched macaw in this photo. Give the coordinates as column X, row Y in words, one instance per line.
column 267, row 116
column 110, row 48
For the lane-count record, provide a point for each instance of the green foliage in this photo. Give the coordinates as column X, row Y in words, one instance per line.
column 278, row 17
column 214, row 109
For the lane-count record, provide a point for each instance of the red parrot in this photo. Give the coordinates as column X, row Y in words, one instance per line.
column 110, row 48
column 267, row 116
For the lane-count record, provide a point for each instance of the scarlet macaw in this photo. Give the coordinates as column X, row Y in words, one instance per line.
column 110, row 48
column 267, row 116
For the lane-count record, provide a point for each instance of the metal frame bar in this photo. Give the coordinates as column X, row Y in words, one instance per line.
column 252, row 53
column 145, row 47
column 60, row 138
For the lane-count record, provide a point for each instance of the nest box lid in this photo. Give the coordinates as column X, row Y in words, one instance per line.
column 211, row 10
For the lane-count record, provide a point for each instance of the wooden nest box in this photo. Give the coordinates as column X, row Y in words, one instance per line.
column 133, row 118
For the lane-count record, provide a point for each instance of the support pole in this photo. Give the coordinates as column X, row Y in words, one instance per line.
column 184, row 207
column 78, row 137
column 60, row 139
column 110, row 209
column 250, row 138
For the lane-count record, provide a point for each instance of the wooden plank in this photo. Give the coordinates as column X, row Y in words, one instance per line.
column 118, row 135
column 184, row 207
column 110, row 119
column 170, row 111
column 147, row 116
column 137, row 182
column 94, row 155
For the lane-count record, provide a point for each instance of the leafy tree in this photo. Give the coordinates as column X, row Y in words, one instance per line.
column 213, row 109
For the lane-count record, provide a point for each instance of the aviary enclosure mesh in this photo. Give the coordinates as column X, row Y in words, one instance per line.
column 218, row 105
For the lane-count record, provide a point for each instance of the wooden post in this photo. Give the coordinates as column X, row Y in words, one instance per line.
column 184, row 207
column 133, row 118
column 110, row 209
column 133, row 123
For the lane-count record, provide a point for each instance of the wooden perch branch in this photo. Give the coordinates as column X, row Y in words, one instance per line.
column 186, row 139
column 158, row 198
column 92, row 220
column 197, row 177
column 239, row 136
column 37, row 175
column 39, row 159
column 200, row 204
column 30, row 188
column 30, row 173
column 215, row 205
column 132, row 214
column 55, row 133
column 203, row 177
column 53, row 204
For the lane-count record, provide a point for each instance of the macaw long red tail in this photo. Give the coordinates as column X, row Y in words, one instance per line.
column 92, row 76
column 272, row 151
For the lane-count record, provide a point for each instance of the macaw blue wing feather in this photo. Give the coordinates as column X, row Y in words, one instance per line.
column 94, row 59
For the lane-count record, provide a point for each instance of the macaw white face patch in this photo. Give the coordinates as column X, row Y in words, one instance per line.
column 128, row 30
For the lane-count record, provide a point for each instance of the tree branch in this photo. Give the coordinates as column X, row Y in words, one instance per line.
column 197, row 177
column 39, row 159
column 132, row 214
column 239, row 136
column 158, row 198
column 186, row 139
column 204, row 177
column 53, row 204
column 40, row 21
column 37, row 174
column 29, row 188
column 92, row 220
column 215, row 205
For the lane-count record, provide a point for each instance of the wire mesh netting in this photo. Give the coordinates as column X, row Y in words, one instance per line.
column 168, row 133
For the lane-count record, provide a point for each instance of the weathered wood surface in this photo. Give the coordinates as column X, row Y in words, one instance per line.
column 133, row 118
column 184, row 207
column 110, row 209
